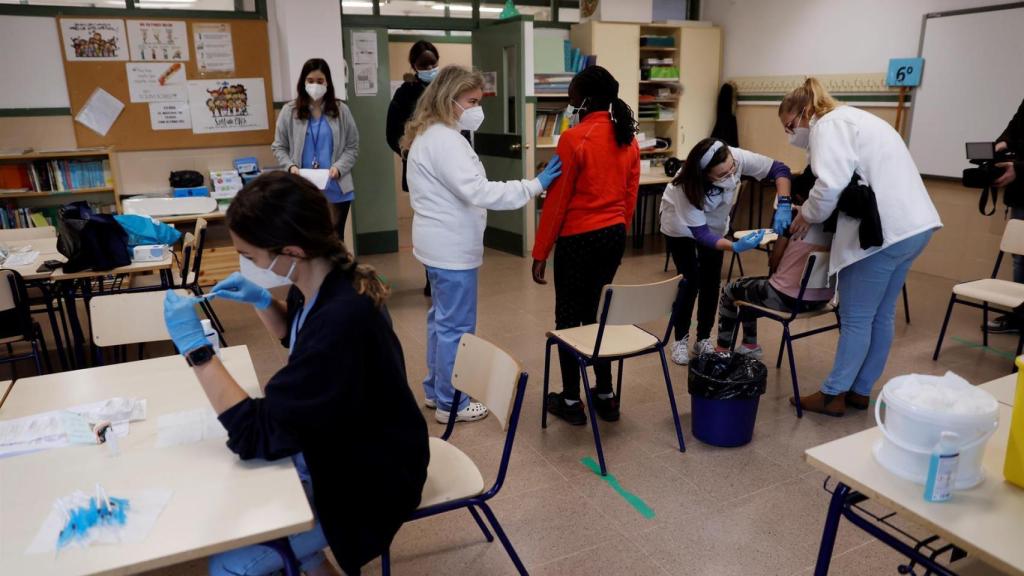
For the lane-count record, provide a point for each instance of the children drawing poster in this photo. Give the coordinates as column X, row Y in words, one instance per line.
column 90, row 40
column 227, row 105
column 158, row 40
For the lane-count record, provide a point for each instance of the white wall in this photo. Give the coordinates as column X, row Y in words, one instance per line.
column 792, row 37
column 300, row 30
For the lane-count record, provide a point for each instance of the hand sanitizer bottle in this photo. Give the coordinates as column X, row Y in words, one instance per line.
column 942, row 468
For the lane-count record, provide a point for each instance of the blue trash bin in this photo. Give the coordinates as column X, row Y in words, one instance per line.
column 725, row 390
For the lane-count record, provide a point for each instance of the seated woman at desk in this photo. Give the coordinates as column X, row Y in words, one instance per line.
column 341, row 405
column 695, row 213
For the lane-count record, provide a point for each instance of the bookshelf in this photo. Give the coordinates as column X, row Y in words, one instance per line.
column 35, row 183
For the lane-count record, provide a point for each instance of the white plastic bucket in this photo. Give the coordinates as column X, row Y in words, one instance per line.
column 911, row 430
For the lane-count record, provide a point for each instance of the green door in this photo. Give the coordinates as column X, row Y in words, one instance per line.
column 375, row 209
column 500, row 52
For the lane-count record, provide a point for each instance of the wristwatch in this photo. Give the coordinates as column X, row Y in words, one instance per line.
column 200, row 356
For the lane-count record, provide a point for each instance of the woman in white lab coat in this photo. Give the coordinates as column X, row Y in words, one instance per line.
column 844, row 141
column 695, row 212
column 450, row 196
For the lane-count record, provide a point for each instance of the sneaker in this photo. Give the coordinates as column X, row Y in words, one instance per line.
column 607, row 408
column 573, row 414
column 705, row 346
column 1003, row 325
column 474, row 411
column 756, row 352
column 680, row 352
column 430, row 403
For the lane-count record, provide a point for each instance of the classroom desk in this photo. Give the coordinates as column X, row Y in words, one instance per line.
column 47, row 248
column 218, row 502
column 1003, row 388
column 985, row 521
column 651, row 186
column 5, row 390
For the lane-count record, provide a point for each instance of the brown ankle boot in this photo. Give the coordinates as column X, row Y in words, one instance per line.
column 823, row 403
column 857, row 401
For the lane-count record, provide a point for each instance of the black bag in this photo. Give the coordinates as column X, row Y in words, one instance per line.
column 725, row 376
column 186, row 179
column 90, row 241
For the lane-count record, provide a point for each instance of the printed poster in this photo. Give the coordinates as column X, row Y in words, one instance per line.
column 169, row 116
column 366, row 79
column 214, row 50
column 364, row 48
column 158, row 40
column 227, row 105
column 157, row 82
column 92, row 40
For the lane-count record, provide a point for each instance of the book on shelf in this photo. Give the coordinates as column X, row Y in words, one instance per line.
column 55, row 175
column 550, row 123
column 657, row 41
column 574, row 60
column 551, row 83
column 13, row 217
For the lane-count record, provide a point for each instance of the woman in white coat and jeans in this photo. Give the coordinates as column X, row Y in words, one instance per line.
column 842, row 141
column 450, row 196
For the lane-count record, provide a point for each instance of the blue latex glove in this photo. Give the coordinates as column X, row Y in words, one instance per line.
column 551, row 171
column 783, row 215
column 752, row 240
column 236, row 287
column 183, row 322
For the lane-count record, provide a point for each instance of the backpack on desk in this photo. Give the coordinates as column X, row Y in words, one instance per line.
column 90, row 241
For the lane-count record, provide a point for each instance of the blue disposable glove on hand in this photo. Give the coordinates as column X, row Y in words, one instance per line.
column 783, row 215
column 236, row 287
column 752, row 240
column 551, row 171
column 183, row 322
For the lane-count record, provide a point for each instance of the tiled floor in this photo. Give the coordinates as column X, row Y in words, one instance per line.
column 757, row 509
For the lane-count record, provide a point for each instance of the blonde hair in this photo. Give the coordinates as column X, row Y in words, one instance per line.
column 437, row 104
column 811, row 95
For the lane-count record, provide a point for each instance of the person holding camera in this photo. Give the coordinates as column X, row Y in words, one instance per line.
column 1012, row 140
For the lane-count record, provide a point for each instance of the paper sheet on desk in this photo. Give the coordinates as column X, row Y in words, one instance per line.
column 16, row 259
column 188, row 427
column 144, row 509
column 58, row 428
column 319, row 178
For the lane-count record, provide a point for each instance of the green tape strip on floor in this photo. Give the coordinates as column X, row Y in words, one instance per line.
column 632, row 499
column 1001, row 353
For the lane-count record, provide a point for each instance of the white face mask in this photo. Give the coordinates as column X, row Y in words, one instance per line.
column 729, row 182
column 264, row 277
column 801, row 137
column 316, row 91
column 573, row 112
column 471, row 118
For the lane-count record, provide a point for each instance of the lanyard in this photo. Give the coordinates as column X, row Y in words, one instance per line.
column 316, row 136
column 300, row 319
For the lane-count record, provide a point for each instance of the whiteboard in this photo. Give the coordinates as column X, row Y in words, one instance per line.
column 972, row 84
column 30, row 63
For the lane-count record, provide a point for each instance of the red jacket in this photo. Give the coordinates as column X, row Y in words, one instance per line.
column 598, row 185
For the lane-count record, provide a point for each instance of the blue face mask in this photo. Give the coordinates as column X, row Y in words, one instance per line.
column 427, row 75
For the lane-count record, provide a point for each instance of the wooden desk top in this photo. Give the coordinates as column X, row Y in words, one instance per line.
column 1003, row 388
column 987, row 520
column 218, row 502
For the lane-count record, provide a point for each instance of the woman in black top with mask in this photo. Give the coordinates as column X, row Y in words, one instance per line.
column 423, row 58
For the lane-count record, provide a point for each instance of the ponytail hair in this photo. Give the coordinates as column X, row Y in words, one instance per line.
column 600, row 90
column 279, row 209
column 692, row 178
column 811, row 95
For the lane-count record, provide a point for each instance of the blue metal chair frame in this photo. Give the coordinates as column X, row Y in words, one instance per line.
column 479, row 501
column 787, row 337
column 985, row 307
column 584, row 361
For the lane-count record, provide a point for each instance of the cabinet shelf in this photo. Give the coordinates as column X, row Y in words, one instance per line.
column 100, row 190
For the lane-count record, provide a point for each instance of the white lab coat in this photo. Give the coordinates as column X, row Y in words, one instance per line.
column 849, row 140
column 450, row 196
column 677, row 214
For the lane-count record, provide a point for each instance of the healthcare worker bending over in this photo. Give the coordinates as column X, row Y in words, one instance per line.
column 450, row 196
column 341, row 407
column 695, row 212
column 844, row 140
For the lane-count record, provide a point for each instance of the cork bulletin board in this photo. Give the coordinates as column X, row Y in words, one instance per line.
column 133, row 129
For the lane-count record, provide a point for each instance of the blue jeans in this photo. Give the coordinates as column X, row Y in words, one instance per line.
column 452, row 313
column 259, row 560
column 868, row 290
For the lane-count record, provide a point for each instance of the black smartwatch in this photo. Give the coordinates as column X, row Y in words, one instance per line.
column 200, row 356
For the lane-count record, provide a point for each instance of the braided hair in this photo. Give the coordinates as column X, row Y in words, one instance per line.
column 279, row 209
column 600, row 90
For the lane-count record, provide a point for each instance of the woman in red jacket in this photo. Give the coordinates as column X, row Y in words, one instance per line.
column 584, row 217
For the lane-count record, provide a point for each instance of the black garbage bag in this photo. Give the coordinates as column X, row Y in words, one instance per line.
column 724, row 376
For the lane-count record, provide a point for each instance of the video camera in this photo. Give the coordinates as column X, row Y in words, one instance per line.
column 984, row 156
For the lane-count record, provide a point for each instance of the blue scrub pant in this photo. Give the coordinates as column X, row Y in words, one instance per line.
column 868, row 291
column 260, row 560
column 452, row 313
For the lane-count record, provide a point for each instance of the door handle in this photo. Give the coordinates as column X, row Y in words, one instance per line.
column 516, row 147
